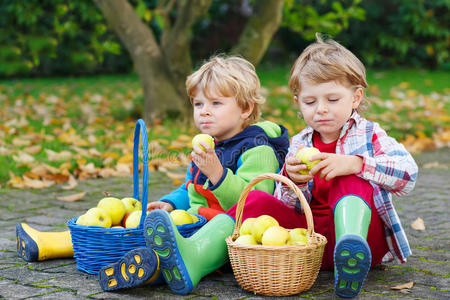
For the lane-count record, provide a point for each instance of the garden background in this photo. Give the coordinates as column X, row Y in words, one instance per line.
column 70, row 92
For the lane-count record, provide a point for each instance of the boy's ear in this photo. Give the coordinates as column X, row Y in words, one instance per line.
column 357, row 97
column 296, row 99
column 248, row 111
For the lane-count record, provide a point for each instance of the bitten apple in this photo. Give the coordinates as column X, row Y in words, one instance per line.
column 114, row 207
column 131, row 204
column 205, row 138
column 304, row 155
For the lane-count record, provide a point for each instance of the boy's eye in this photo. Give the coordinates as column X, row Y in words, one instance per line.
column 198, row 104
column 333, row 99
column 217, row 103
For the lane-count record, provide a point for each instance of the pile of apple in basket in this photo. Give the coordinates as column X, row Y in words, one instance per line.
column 268, row 259
column 112, row 212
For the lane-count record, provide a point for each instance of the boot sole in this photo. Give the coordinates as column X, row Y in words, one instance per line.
column 352, row 259
column 133, row 269
column 26, row 246
column 159, row 236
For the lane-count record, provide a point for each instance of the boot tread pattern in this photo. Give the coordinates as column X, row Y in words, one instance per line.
column 133, row 269
column 160, row 236
column 26, row 246
column 352, row 259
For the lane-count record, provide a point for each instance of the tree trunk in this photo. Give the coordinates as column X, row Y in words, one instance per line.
column 161, row 93
column 259, row 30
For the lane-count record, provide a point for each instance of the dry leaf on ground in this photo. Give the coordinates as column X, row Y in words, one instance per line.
column 71, row 198
column 71, row 183
column 403, row 286
column 418, row 224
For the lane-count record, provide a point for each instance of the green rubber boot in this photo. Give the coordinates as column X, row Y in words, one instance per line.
column 352, row 256
column 184, row 261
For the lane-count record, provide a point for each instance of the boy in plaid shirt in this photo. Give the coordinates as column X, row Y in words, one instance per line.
column 349, row 190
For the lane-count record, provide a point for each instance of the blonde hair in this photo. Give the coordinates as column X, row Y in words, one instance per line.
column 229, row 77
column 327, row 60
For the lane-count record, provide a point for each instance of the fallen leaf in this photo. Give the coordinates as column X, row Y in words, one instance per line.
column 403, row 286
column 418, row 224
column 71, row 183
column 71, row 198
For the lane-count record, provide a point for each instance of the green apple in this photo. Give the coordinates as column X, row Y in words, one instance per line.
column 304, row 155
column 298, row 236
column 97, row 216
column 114, row 207
column 261, row 224
column 246, row 227
column 180, row 217
column 246, row 239
column 133, row 219
column 275, row 236
column 205, row 138
column 131, row 204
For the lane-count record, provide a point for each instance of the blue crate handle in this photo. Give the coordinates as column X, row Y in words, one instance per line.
column 140, row 129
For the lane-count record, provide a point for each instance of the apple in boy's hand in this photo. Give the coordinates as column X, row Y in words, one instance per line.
column 180, row 217
column 304, row 155
column 96, row 216
column 298, row 236
column 114, row 207
column 131, row 204
column 275, row 236
column 204, row 138
column 261, row 224
column 133, row 219
column 246, row 239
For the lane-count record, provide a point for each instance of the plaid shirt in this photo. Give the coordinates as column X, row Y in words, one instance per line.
column 386, row 165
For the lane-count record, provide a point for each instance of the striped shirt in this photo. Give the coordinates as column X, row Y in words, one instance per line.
column 387, row 165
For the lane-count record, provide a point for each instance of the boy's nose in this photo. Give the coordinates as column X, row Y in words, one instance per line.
column 205, row 111
column 322, row 107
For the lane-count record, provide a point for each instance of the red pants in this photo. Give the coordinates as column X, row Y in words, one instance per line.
column 260, row 203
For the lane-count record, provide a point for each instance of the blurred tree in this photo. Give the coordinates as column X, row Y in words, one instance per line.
column 163, row 65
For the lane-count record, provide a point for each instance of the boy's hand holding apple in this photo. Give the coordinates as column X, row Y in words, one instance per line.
column 159, row 205
column 205, row 158
column 333, row 165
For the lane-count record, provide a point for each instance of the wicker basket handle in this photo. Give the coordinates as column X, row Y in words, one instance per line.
column 140, row 129
column 280, row 178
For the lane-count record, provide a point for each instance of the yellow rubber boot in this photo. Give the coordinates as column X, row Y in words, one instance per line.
column 34, row 245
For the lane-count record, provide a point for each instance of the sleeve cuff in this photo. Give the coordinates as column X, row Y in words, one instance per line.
column 170, row 202
column 212, row 187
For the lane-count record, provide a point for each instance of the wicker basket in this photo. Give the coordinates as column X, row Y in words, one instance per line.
column 276, row 270
column 95, row 247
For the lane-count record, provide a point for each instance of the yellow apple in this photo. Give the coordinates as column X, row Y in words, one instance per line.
column 194, row 218
column 97, row 216
column 246, row 227
column 133, row 219
column 304, row 154
column 261, row 224
column 298, row 236
column 131, row 204
column 246, row 239
column 180, row 217
column 117, row 226
column 205, row 138
column 275, row 236
column 114, row 207
column 81, row 220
